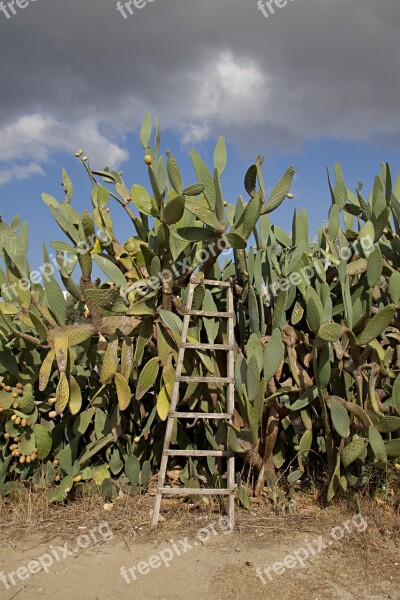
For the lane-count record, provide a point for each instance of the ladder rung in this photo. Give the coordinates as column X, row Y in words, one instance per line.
column 187, row 379
column 200, row 346
column 197, row 453
column 195, row 491
column 216, row 283
column 198, row 415
column 209, row 313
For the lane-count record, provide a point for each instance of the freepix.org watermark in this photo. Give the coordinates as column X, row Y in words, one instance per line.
column 47, row 270
column 307, row 273
column 127, row 8
column 215, row 249
column 175, row 549
column 267, row 7
column 299, row 557
column 10, row 9
column 101, row 533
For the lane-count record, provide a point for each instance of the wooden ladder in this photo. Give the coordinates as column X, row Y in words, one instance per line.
column 228, row 415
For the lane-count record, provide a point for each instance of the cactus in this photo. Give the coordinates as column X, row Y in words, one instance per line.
column 317, row 329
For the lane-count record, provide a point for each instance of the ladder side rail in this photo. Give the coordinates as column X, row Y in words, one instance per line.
column 174, row 402
column 231, row 407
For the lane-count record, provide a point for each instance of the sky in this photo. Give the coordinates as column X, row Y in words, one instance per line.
column 303, row 82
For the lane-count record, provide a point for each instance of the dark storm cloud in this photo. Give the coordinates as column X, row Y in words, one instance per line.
column 71, row 70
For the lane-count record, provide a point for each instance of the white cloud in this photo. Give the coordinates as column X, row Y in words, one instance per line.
column 20, row 172
column 36, row 137
column 226, row 84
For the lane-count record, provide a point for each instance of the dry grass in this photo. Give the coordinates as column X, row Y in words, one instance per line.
column 30, row 514
column 27, row 512
column 360, row 566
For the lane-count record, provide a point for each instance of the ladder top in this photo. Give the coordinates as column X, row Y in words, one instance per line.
column 201, row 346
column 209, row 313
column 199, row 453
column 215, row 282
column 198, row 415
column 189, row 379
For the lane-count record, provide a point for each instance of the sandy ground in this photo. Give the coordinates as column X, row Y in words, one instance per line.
column 204, row 562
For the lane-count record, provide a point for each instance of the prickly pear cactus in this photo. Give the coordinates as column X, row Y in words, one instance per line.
column 87, row 367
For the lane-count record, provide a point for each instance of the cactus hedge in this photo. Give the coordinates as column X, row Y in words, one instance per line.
column 86, row 377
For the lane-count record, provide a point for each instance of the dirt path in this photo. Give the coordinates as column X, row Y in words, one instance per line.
column 311, row 563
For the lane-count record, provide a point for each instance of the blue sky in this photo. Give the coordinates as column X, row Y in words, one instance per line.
column 360, row 161
column 315, row 83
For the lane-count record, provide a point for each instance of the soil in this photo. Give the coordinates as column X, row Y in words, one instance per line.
column 192, row 557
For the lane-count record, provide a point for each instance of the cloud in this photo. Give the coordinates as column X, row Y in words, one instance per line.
column 20, row 172
column 37, row 136
column 78, row 74
column 220, row 91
